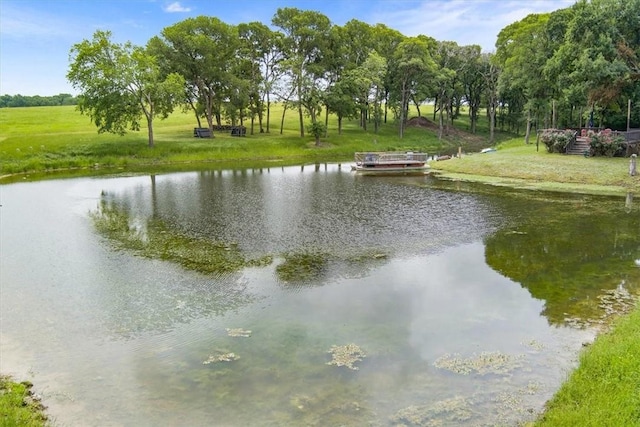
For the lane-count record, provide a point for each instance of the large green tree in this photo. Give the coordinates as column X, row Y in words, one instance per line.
column 414, row 66
column 119, row 84
column 490, row 74
column 306, row 36
column 203, row 50
column 385, row 42
column 263, row 47
column 522, row 53
column 473, row 82
column 597, row 62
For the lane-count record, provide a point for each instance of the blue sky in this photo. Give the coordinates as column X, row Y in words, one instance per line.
column 36, row 35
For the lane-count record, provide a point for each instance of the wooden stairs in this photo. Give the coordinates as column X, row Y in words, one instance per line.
column 580, row 146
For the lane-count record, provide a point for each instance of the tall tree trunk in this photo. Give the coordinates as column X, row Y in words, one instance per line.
column 150, row 130
column 301, row 120
column 268, row 112
column 284, row 110
column 440, row 122
column 403, row 108
column 413, row 98
column 386, row 104
column 435, row 107
column 299, row 90
column 326, row 122
column 209, row 114
column 528, row 131
column 195, row 112
column 363, row 118
column 260, row 116
column 492, row 120
column 474, row 117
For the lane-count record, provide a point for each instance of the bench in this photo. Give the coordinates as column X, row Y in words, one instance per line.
column 202, row 133
column 238, row 131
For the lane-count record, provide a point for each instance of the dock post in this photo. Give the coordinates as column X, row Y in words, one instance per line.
column 632, row 165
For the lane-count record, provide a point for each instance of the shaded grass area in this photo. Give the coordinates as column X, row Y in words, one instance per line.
column 18, row 406
column 605, row 389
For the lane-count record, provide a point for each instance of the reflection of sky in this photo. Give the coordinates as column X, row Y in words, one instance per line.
column 286, row 209
column 463, row 306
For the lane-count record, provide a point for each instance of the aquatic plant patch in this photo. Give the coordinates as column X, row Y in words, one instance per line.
column 302, row 267
column 346, row 355
column 158, row 241
column 221, row 357
column 238, row 332
column 454, row 410
column 496, row 362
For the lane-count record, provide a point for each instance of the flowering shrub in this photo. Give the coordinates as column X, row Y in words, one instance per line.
column 606, row 144
column 557, row 140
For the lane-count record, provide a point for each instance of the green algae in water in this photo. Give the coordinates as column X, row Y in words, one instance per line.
column 484, row 363
column 221, row 357
column 302, row 267
column 154, row 239
column 454, row 410
column 346, row 355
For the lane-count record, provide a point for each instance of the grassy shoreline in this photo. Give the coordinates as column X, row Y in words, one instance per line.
column 55, row 142
column 19, row 406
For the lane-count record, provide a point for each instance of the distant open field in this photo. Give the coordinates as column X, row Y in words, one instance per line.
column 37, row 139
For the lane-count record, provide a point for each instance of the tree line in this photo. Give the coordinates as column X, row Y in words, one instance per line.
column 554, row 69
column 37, row 100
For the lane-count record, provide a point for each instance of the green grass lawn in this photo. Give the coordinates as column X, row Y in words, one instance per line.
column 50, row 138
column 18, row 406
column 527, row 166
column 45, row 139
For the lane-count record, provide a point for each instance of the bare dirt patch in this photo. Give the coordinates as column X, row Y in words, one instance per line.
column 452, row 136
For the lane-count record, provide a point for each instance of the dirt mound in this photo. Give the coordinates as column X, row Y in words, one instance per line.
column 450, row 133
column 452, row 137
column 421, row 122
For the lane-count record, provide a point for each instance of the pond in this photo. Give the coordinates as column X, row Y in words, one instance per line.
column 304, row 296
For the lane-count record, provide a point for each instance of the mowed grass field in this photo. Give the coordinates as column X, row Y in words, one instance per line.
column 50, row 138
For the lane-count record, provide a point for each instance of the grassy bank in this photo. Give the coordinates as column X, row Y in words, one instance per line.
column 41, row 139
column 526, row 166
column 605, row 389
column 18, row 406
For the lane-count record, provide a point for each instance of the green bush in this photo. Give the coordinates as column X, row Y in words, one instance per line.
column 317, row 129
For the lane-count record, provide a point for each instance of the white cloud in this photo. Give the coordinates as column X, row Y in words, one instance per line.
column 463, row 21
column 176, row 7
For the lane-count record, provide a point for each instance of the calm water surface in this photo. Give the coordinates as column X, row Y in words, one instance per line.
column 470, row 302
